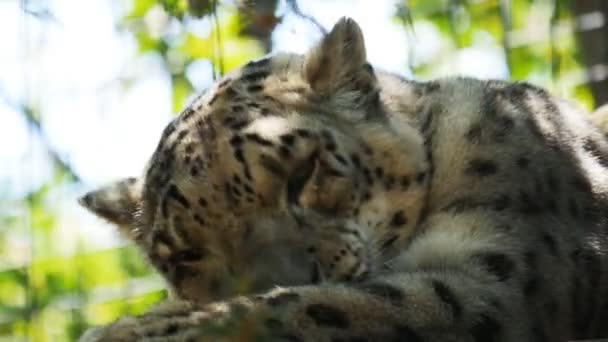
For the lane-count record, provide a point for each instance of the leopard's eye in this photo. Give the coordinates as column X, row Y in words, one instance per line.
column 300, row 177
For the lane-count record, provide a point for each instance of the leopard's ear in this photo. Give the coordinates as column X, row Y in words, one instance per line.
column 118, row 203
column 338, row 62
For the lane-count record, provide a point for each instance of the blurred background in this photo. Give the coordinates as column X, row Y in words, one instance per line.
column 87, row 86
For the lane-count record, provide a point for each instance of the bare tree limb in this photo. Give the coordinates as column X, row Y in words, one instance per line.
column 592, row 33
column 293, row 4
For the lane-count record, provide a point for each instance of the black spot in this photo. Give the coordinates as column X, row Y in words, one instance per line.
column 237, row 108
column 261, row 63
column 238, row 155
column 247, row 172
column 501, row 203
column 283, row 298
column 255, row 88
column 379, row 172
column 171, row 329
column 287, row 139
column 420, row 177
column 253, row 104
column 504, row 125
column 390, row 241
column 446, row 295
column 482, row 167
column 405, row 182
column 428, row 119
column 175, row 194
column 273, row 324
column 531, row 287
column 213, row 99
column 326, row 315
column 530, row 259
column 356, row 160
column 187, row 113
column 284, row 152
column 330, row 146
column 368, row 176
column 182, row 134
column 592, row 147
column 224, row 82
column 189, row 148
column 256, row 76
column 473, row 135
column 581, row 184
column 431, row 86
column 497, row 264
column 403, row 333
column 187, row 255
column 549, row 241
column 528, row 204
column 523, row 162
column 258, row 139
column 289, row 338
column 194, row 171
column 198, row 219
column 340, row 159
column 366, row 197
column 248, row 189
column 399, row 219
column 265, row 112
column 236, row 191
column 304, row 133
column 236, row 140
column 168, row 131
column 539, row 333
column 384, row 291
column 239, row 125
column 202, row 202
column 552, row 205
column 573, row 208
column 161, row 236
column 487, row 329
column 552, row 182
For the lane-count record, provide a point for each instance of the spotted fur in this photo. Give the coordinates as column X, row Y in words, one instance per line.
column 387, row 209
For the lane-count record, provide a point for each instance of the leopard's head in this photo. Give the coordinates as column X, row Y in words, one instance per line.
column 290, row 170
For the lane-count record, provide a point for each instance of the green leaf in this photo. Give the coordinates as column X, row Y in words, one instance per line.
column 200, row 8
column 181, row 90
column 140, row 8
column 176, row 8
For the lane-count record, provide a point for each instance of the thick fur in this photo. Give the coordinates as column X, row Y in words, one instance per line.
column 451, row 210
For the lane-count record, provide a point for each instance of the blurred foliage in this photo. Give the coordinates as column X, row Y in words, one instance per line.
column 537, row 39
column 47, row 296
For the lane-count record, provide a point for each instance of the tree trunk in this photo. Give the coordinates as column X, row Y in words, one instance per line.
column 591, row 17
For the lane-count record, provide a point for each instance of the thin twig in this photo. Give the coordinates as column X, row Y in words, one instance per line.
column 504, row 8
column 293, row 4
column 218, row 43
column 404, row 14
column 555, row 60
column 451, row 14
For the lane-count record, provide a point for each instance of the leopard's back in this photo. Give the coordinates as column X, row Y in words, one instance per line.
column 529, row 174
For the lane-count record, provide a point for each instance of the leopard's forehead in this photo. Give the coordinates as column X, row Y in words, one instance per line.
column 257, row 94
